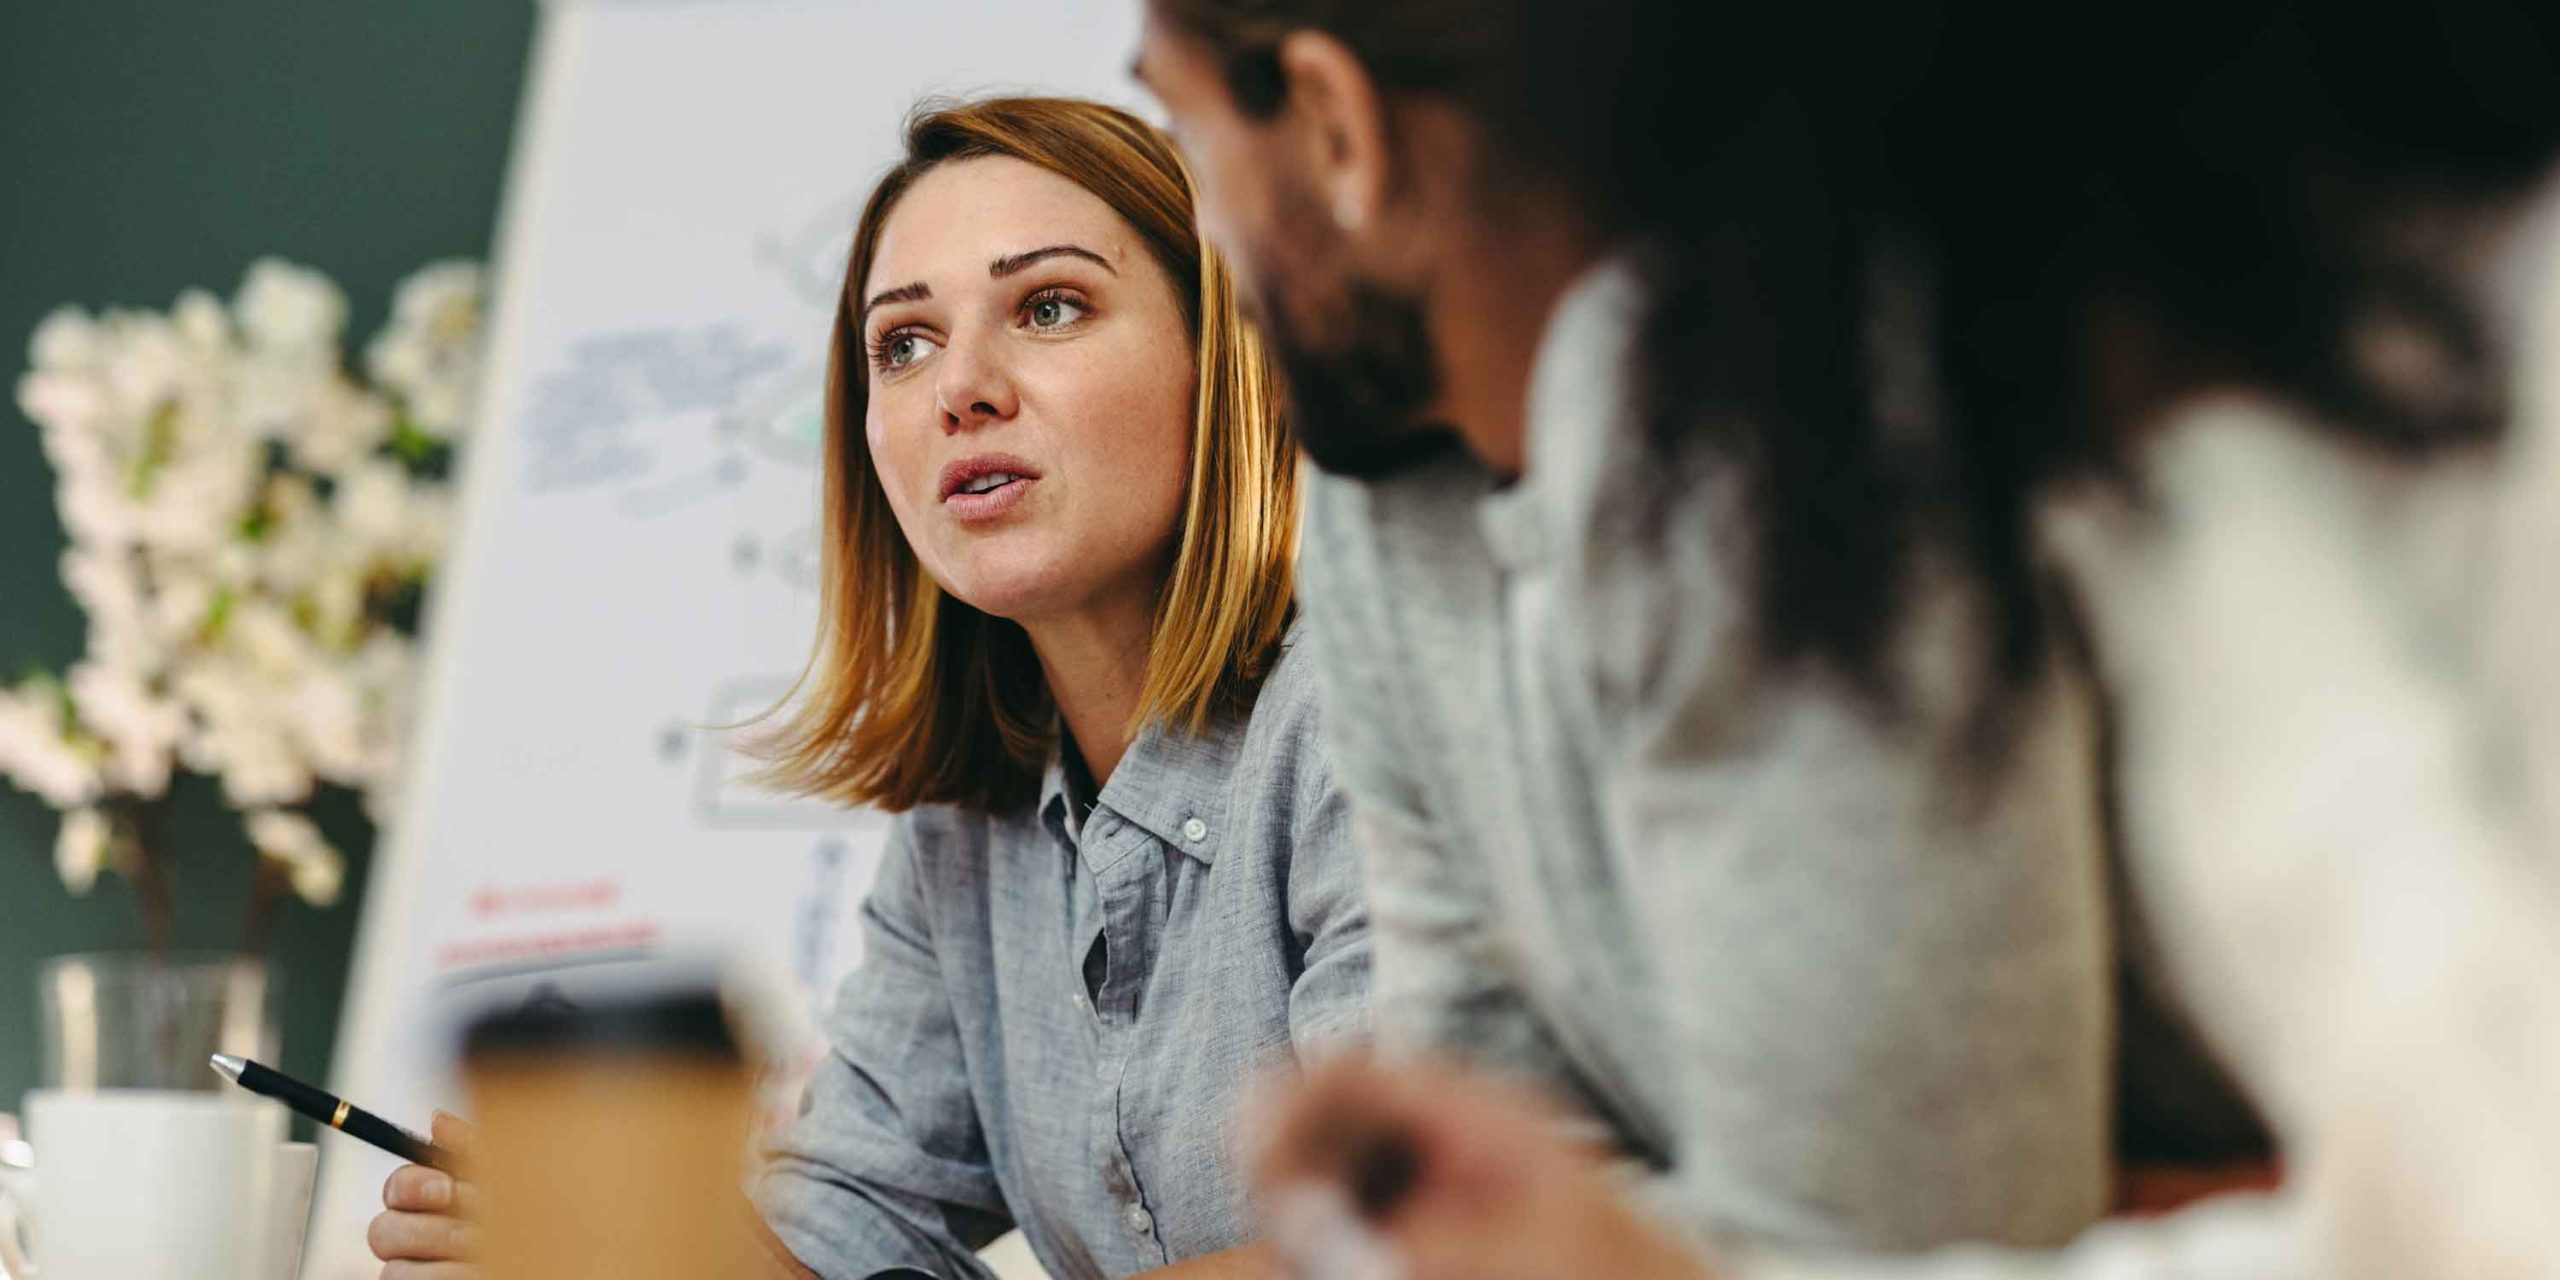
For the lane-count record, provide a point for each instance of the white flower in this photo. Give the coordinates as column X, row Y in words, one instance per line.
column 284, row 307
column 233, row 565
column 232, row 506
column 129, row 645
column 422, row 538
column 344, row 425
column 329, row 717
column 125, row 627
column 255, row 759
column 107, row 583
column 183, row 601
column 298, row 554
column 374, row 507
column 291, row 499
column 80, row 849
column 68, row 338
column 68, row 403
column 97, row 510
column 141, row 728
column 429, row 353
column 198, row 500
column 317, row 869
column 337, row 598
column 386, row 670
column 262, row 632
column 352, row 716
column 240, row 732
column 147, row 365
column 203, row 323
column 37, row 752
column 273, row 392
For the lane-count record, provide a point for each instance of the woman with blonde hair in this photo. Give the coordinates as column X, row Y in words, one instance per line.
column 1062, row 508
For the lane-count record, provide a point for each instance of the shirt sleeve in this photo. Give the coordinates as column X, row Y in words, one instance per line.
column 1329, row 914
column 887, row 1167
column 1880, row 949
column 1437, row 987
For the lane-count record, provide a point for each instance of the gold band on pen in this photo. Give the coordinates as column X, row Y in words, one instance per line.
column 339, row 1121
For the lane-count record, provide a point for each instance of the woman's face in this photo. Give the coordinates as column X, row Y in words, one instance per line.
column 1031, row 391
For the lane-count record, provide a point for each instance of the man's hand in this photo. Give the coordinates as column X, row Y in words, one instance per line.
column 429, row 1228
column 1365, row 1172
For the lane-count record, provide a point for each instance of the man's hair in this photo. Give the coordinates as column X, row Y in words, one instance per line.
column 1993, row 178
column 913, row 697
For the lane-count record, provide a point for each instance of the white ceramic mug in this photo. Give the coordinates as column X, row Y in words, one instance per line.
column 289, row 1209
column 151, row 1185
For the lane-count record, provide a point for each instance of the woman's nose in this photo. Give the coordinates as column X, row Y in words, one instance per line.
column 973, row 388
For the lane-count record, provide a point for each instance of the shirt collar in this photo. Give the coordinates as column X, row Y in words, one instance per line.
column 1577, row 387
column 1055, row 808
column 1171, row 783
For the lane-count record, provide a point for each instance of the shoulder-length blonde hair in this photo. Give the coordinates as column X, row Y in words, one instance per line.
column 913, row 697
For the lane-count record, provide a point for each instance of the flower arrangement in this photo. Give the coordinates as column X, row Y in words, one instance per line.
column 249, row 527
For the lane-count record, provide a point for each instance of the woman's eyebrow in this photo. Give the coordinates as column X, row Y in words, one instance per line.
column 916, row 292
column 1002, row 267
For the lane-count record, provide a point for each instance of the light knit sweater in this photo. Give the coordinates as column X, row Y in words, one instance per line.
column 1845, row 983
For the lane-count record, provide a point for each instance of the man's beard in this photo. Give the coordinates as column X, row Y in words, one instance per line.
column 1357, row 404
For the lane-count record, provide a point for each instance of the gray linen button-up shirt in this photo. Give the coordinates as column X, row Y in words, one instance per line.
column 1056, row 1012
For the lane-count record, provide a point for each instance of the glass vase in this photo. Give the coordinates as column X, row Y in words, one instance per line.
column 138, row 1020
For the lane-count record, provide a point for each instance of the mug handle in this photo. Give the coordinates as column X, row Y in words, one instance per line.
column 17, row 1187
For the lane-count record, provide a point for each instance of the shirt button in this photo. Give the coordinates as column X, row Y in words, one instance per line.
column 1141, row 1221
column 1078, row 1000
column 1194, row 830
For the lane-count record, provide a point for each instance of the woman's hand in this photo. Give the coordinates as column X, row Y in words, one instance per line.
column 1366, row 1172
column 429, row 1228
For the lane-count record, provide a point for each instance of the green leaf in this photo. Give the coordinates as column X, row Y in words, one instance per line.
column 216, row 616
column 413, row 445
column 159, row 442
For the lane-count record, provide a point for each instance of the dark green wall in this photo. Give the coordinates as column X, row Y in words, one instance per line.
column 150, row 145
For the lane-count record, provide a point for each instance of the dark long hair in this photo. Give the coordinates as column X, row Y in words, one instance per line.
column 1902, row 253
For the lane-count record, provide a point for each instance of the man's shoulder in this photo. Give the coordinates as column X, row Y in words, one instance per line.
column 1372, row 546
column 1375, row 579
column 1425, row 507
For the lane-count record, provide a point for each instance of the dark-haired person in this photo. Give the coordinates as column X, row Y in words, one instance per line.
column 1061, row 506
column 2207, row 364
column 1694, row 774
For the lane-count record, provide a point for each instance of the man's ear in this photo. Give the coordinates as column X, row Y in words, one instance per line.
column 1343, row 126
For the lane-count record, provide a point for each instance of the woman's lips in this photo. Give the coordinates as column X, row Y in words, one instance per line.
column 972, row 508
column 984, row 486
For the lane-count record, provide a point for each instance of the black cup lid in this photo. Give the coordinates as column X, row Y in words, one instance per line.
column 691, row 1022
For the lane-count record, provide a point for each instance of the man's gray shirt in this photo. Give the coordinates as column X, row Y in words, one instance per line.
column 1842, row 979
column 1056, row 1013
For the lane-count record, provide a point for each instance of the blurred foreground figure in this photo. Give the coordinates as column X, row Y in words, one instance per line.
column 1827, row 967
column 2210, row 357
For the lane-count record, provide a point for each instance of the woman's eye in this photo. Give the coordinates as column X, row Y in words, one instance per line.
column 901, row 349
column 1054, row 311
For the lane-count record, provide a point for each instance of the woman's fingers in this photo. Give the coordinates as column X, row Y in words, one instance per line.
column 1433, row 1174
column 422, row 1237
column 1383, row 1135
column 451, row 1132
column 415, row 1188
column 430, row 1271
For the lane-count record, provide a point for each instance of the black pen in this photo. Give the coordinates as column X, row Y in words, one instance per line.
column 333, row 1111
